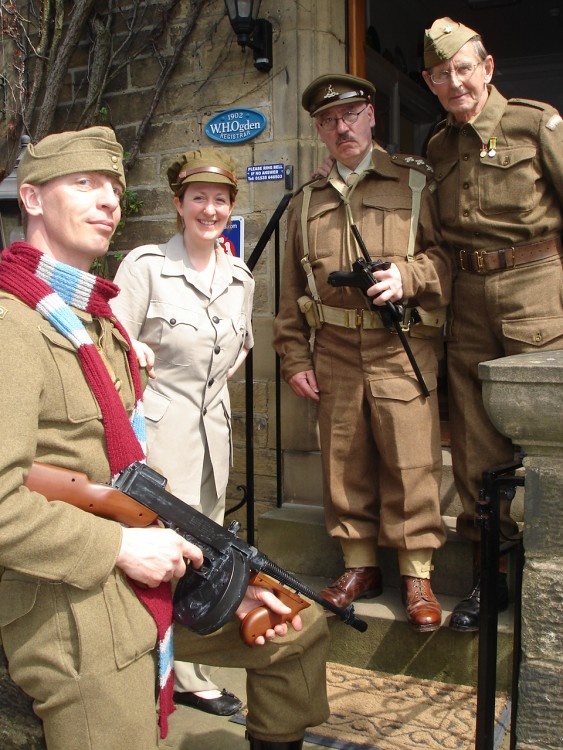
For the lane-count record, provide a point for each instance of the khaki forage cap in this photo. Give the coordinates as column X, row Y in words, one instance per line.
column 91, row 150
column 333, row 89
column 443, row 39
column 202, row 165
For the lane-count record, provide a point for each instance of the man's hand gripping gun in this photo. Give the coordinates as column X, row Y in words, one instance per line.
column 204, row 599
column 362, row 277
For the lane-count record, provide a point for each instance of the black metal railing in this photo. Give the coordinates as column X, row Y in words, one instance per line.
column 272, row 228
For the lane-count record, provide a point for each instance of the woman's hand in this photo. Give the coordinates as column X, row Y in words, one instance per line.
column 145, row 357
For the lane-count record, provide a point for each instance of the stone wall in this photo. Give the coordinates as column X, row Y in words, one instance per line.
column 214, row 74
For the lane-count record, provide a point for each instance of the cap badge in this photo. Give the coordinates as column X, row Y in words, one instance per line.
column 330, row 92
column 448, row 29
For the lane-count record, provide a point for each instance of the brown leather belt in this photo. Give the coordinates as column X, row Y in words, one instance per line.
column 489, row 261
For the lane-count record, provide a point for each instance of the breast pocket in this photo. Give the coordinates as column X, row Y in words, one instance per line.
column 506, row 182
column 175, row 329
column 72, row 388
column 324, row 223
column 385, row 223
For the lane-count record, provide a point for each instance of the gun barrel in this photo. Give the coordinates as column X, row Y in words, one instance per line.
column 346, row 614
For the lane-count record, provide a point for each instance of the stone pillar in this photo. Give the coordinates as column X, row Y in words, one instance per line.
column 524, row 396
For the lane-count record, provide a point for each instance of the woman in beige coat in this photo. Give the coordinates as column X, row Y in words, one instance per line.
column 191, row 303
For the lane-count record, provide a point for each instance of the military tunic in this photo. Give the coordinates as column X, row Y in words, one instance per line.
column 500, row 183
column 379, row 437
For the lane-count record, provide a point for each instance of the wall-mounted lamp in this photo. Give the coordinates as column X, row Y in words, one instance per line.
column 252, row 31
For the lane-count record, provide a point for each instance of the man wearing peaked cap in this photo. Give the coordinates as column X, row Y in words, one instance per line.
column 381, row 485
column 329, row 90
column 498, row 169
column 79, row 635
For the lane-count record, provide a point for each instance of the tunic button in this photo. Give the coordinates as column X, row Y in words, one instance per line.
column 465, row 185
column 172, row 321
column 215, row 319
column 538, row 338
column 466, row 213
column 212, row 380
column 217, row 349
column 465, row 157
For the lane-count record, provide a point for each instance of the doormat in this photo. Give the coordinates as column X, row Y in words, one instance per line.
column 379, row 711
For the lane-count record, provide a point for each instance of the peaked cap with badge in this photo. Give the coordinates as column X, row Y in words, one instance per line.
column 443, row 39
column 333, row 89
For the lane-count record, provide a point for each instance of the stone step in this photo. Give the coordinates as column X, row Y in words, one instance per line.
column 391, row 645
column 295, row 537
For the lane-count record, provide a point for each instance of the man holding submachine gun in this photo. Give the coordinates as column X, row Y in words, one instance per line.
column 361, row 240
column 85, row 597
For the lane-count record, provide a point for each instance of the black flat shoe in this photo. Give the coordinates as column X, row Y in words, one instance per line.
column 465, row 615
column 226, row 705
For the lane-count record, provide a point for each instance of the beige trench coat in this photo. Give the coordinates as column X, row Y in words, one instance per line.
column 196, row 338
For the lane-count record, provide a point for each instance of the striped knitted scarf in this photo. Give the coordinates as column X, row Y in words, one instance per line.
column 50, row 288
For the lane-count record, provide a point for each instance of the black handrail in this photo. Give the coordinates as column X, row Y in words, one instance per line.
column 498, row 482
column 272, row 227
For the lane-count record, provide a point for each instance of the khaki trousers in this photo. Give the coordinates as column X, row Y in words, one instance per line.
column 380, row 440
column 496, row 315
column 63, row 654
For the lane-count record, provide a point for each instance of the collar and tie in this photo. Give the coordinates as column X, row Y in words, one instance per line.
column 352, row 179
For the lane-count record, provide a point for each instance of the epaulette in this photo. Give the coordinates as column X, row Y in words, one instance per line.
column 413, row 162
column 555, row 118
column 542, row 106
column 239, row 263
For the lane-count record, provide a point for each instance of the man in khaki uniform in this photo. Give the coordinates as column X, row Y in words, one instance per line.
column 498, row 167
column 379, row 436
column 73, row 624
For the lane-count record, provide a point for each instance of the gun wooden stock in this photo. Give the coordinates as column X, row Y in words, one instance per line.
column 75, row 488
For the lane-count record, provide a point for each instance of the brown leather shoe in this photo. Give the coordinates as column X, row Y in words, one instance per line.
column 423, row 610
column 354, row 583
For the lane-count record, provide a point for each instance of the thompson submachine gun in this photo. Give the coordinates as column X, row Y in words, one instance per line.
column 362, row 278
column 204, row 599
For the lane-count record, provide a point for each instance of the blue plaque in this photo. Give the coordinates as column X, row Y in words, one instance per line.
column 235, row 125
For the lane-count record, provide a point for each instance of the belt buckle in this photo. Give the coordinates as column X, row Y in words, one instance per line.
column 479, row 256
column 462, row 255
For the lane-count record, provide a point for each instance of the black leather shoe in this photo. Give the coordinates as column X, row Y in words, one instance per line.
column 226, row 705
column 465, row 616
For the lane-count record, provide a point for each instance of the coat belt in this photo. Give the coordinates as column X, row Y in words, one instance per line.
column 488, row 261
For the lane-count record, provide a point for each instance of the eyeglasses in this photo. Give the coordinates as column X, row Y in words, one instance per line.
column 330, row 123
column 463, row 73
